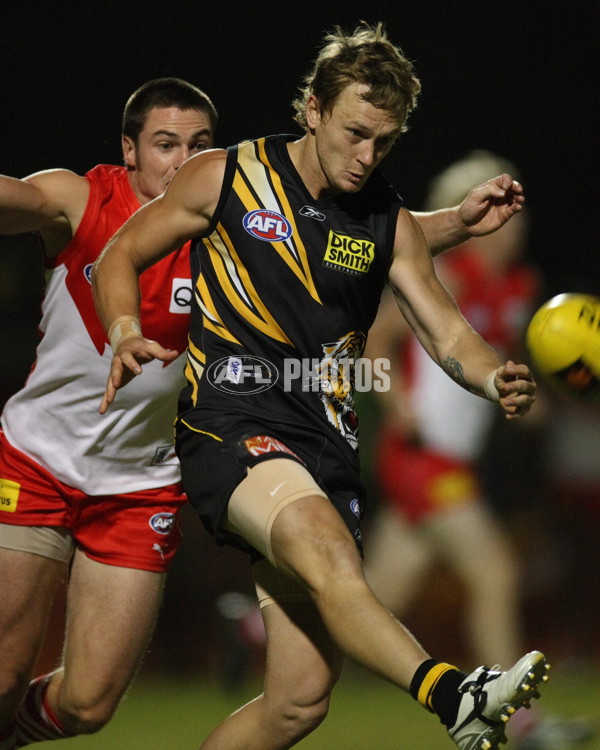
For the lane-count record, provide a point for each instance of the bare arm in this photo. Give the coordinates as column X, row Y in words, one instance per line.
column 51, row 202
column 159, row 227
column 436, row 320
column 485, row 209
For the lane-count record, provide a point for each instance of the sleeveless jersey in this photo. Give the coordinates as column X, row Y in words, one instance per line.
column 54, row 419
column 452, row 421
column 285, row 289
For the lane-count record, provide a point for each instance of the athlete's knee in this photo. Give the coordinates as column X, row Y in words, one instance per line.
column 85, row 714
column 300, row 714
column 338, row 563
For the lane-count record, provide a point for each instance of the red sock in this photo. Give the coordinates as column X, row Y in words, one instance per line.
column 35, row 720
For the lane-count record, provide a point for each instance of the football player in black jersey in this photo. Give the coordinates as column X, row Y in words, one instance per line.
column 267, row 434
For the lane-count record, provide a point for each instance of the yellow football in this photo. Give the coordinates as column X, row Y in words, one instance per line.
column 563, row 339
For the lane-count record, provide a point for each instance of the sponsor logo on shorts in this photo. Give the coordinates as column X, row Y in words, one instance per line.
column 242, row 375
column 312, row 213
column 181, row 296
column 348, row 254
column 268, row 226
column 258, row 445
column 162, row 523
column 355, row 507
column 9, row 495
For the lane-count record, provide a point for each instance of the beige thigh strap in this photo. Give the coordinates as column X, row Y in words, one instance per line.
column 267, row 489
column 54, row 542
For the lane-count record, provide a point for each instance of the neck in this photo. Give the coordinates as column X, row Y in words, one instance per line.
column 304, row 157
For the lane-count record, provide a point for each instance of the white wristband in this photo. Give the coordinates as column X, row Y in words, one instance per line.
column 123, row 327
column 490, row 387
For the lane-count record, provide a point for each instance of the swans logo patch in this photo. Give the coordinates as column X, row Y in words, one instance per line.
column 348, row 254
column 268, row 226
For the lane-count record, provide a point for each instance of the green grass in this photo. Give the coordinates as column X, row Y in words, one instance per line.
column 366, row 714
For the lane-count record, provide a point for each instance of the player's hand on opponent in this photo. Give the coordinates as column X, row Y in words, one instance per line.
column 516, row 389
column 490, row 205
column 131, row 353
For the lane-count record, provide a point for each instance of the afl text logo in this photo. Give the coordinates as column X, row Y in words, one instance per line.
column 242, row 375
column 268, row 226
column 162, row 523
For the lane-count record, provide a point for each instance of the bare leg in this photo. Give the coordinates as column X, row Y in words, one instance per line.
column 312, row 544
column 29, row 584
column 302, row 667
column 111, row 612
column 398, row 555
column 493, row 616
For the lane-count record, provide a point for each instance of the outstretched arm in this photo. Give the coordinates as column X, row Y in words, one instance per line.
column 485, row 209
column 434, row 316
column 155, row 230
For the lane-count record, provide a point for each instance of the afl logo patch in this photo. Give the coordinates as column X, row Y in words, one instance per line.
column 268, row 226
column 355, row 507
column 162, row 523
column 87, row 272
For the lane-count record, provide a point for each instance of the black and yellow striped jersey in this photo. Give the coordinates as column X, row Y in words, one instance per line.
column 286, row 288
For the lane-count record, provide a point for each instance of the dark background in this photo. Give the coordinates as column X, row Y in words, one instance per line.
column 517, row 77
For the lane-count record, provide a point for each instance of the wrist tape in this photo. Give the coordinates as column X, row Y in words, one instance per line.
column 123, row 327
column 490, row 387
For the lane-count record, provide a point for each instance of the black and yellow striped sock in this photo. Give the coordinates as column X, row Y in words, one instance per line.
column 435, row 685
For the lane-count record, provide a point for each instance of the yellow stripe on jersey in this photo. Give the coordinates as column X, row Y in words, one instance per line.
column 235, row 281
column 194, row 368
column 297, row 262
column 201, row 432
column 211, row 319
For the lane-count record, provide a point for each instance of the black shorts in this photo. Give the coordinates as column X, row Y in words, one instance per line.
column 215, row 455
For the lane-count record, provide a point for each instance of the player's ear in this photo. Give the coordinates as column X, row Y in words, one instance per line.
column 128, row 147
column 313, row 111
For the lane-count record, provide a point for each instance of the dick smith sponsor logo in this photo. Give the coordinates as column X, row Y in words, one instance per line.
column 348, row 254
column 247, row 375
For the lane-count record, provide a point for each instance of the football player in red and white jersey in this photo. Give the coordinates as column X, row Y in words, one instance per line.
column 98, row 496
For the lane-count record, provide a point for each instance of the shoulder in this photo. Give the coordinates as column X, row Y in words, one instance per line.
column 207, row 164
column 197, row 183
column 63, row 190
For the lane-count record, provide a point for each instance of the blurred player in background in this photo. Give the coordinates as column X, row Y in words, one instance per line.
column 432, row 506
column 93, row 498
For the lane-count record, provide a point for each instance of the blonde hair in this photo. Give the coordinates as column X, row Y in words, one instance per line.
column 365, row 56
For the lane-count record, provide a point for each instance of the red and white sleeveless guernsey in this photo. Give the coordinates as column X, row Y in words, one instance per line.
column 54, row 418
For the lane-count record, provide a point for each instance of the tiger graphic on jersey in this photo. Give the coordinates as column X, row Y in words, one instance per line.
column 336, row 374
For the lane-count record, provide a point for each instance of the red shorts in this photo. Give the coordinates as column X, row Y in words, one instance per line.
column 134, row 530
column 421, row 483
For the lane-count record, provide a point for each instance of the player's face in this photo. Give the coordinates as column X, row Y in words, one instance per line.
column 169, row 136
column 351, row 140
